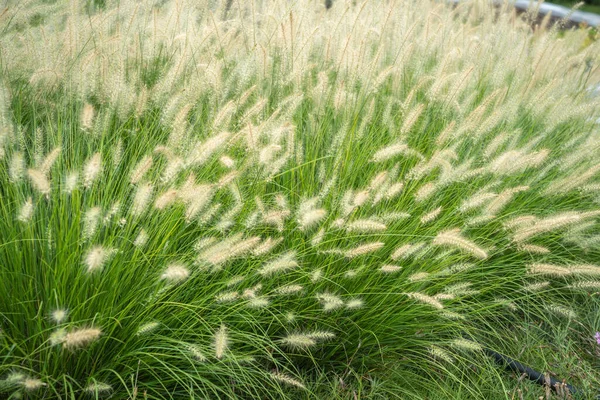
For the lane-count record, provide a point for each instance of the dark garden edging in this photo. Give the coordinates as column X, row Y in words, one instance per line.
column 531, row 374
column 571, row 18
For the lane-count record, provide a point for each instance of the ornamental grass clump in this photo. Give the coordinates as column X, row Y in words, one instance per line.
column 206, row 199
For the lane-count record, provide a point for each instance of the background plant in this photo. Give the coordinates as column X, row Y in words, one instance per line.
column 237, row 200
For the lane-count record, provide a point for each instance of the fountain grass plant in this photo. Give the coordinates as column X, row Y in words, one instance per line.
column 248, row 199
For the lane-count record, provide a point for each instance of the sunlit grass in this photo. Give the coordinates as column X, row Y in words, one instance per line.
column 272, row 200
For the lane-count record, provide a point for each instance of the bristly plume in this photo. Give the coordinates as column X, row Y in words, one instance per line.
column 298, row 341
column 140, row 170
column 141, row 239
column 26, row 211
column 221, row 342
column 365, row 226
column 466, row 344
column 266, row 246
column 196, row 352
column 431, row 216
column 91, row 170
column 283, row 263
column 406, row 250
column 278, row 376
column 49, row 161
column 71, row 182
column 81, row 337
column 87, row 117
column 175, row 273
column 147, row 328
column 96, row 257
column 329, row 301
column 453, row 238
column 141, row 199
column 32, row 384
column 423, row 298
column 441, row 354
column 364, row 249
column 59, row 315
column 390, row 269
column 311, row 217
column 91, row 219
column 98, row 388
column 16, row 168
column 39, row 181
column 228, row 249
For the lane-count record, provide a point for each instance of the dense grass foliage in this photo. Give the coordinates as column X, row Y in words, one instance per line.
column 248, row 199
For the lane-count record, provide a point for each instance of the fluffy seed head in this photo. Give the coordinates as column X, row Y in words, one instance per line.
column 364, row 249
column 140, row 170
column 266, row 246
column 39, row 181
column 423, row 298
column 166, row 199
column 147, row 328
column 32, row 384
column 585, row 285
column 221, row 342
column 258, row 302
column 311, row 217
column 49, row 161
column 430, row 216
column 425, row 191
column 389, row 268
column 227, row 162
column 441, row 354
column 91, row 219
column 330, row 301
column 17, row 167
column 549, row 269
column 175, row 273
column 453, row 238
column 365, row 226
column 298, row 341
column 58, row 337
column 141, row 239
column 283, row 263
column 406, row 251
column 389, row 152
column 316, row 275
column 361, row 198
column 196, row 352
column 81, row 337
column 141, row 200
column 71, row 182
column 228, row 249
column 96, row 258
column 98, row 387
column 280, row 377
column 87, row 117
column 536, row 287
column 466, row 344
column 59, row 315
column 227, row 297
column 26, row 211
column 354, row 304
column 562, row 311
column 235, row 280
column 534, row 249
column 91, row 170
column 289, row 289
column 532, row 226
column 419, row 276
